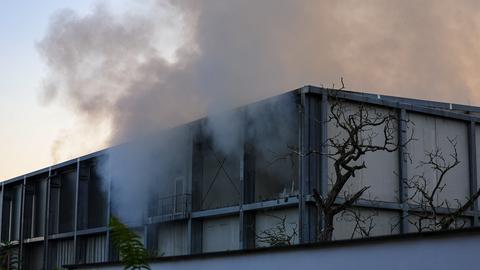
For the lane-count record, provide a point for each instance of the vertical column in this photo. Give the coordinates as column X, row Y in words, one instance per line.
column 309, row 164
column 46, row 224
column 151, row 239
column 402, row 169
column 323, row 121
column 1, row 211
column 195, row 235
column 247, row 183
column 195, row 227
column 472, row 165
column 22, row 219
column 75, row 215
column 109, row 207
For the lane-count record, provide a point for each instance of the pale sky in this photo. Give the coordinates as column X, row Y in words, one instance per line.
column 28, row 128
column 110, row 75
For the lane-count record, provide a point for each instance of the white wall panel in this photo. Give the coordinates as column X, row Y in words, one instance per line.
column 381, row 222
column 172, row 239
column 220, row 234
column 433, row 133
column 381, row 170
column 268, row 220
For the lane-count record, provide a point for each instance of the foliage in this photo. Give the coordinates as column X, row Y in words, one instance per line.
column 132, row 252
column 8, row 256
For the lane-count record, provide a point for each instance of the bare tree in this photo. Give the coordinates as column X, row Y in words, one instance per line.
column 432, row 214
column 363, row 224
column 281, row 234
column 362, row 129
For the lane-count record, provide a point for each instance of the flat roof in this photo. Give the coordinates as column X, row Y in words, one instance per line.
column 442, row 109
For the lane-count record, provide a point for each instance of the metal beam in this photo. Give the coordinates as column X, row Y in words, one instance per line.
column 247, row 192
column 21, row 224
column 1, row 211
column 472, row 165
column 195, row 227
column 324, row 109
column 309, row 164
column 93, row 231
column 75, row 218
column 217, row 212
column 46, row 220
column 392, row 103
column 109, row 209
column 402, row 169
column 195, row 235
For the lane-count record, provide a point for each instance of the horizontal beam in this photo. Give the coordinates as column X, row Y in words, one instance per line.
column 92, row 231
column 399, row 104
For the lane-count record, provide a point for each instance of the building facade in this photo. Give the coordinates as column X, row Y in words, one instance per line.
column 225, row 182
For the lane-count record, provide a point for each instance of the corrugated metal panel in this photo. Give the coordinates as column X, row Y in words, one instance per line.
column 33, row 256
column 95, row 249
column 172, row 239
column 62, row 253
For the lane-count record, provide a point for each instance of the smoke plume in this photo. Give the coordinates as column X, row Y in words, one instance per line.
column 110, row 67
column 106, row 65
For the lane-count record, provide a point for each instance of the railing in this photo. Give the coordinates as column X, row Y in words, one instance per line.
column 177, row 205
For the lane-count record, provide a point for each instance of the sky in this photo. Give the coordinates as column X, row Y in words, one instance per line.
column 78, row 76
column 28, row 128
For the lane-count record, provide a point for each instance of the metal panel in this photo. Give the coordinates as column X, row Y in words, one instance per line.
column 172, row 239
column 61, row 253
column 33, row 256
column 91, row 249
column 433, row 133
column 365, row 223
column 396, row 103
column 381, row 174
column 273, row 221
column 220, row 234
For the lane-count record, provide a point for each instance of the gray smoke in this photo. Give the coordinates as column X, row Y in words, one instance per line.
column 108, row 66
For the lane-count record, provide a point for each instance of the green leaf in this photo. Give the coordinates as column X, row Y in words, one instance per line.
column 133, row 254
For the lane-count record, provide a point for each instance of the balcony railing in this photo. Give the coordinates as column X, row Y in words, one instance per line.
column 171, row 207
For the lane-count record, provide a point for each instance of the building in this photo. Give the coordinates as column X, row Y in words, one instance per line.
column 219, row 184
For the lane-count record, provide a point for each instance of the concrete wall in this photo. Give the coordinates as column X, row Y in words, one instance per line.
column 453, row 252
